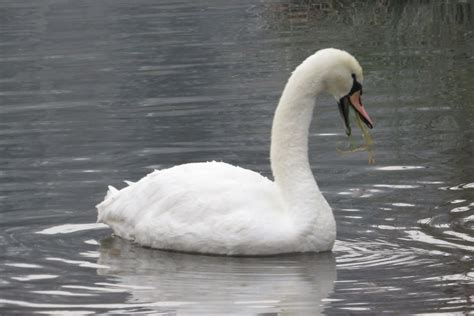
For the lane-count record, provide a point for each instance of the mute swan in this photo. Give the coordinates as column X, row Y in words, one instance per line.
column 217, row 208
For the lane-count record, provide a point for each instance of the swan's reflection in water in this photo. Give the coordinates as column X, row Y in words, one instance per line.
column 228, row 285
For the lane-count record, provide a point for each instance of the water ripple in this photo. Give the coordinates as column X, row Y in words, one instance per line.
column 353, row 255
column 70, row 228
column 425, row 238
column 459, row 187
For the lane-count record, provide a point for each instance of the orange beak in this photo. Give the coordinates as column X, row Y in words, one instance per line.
column 353, row 100
column 357, row 105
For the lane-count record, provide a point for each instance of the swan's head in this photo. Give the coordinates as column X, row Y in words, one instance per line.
column 338, row 73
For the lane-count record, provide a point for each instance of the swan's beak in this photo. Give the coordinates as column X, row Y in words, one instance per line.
column 353, row 100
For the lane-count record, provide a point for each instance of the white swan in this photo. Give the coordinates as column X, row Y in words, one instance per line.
column 217, row 208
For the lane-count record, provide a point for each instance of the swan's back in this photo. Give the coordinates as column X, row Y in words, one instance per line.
column 206, row 207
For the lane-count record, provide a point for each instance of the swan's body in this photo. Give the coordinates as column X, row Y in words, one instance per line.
column 209, row 207
column 218, row 208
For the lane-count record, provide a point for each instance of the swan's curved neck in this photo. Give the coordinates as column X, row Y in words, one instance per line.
column 289, row 158
column 289, row 143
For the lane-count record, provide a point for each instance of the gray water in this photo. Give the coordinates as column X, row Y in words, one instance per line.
column 96, row 92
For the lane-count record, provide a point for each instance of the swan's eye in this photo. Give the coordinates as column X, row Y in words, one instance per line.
column 356, row 86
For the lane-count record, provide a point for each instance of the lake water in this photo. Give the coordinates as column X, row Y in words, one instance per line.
column 96, row 92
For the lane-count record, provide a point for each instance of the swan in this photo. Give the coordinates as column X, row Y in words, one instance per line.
column 217, row 208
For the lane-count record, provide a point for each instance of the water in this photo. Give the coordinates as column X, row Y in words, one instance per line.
column 95, row 92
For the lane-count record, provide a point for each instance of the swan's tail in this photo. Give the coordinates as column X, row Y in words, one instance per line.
column 118, row 204
column 111, row 192
column 109, row 197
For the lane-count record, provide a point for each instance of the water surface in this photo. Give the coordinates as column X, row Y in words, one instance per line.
column 96, row 92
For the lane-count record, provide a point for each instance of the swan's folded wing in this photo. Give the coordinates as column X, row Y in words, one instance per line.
column 195, row 201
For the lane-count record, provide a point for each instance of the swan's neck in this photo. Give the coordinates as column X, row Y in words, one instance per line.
column 300, row 193
column 289, row 146
column 289, row 150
